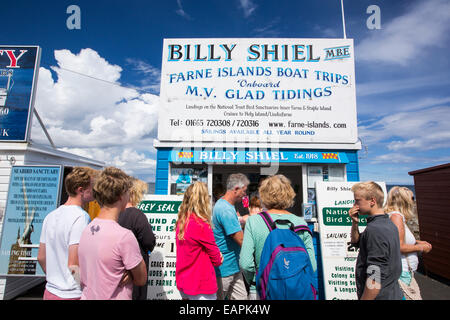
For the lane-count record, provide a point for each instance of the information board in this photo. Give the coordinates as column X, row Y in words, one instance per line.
column 283, row 90
column 162, row 212
column 255, row 156
column 34, row 191
column 334, row 200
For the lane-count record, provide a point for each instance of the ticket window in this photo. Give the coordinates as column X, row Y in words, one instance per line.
column 321, row 172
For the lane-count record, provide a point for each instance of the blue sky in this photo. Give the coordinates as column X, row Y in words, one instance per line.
column 402, row 79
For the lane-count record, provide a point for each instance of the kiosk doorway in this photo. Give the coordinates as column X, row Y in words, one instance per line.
column 220, row 175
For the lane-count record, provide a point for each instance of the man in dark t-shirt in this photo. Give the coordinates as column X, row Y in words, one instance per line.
column 378, row 266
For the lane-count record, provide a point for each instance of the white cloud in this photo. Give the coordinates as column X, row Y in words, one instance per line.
column 398, row 85
column 423, row 129
column 388, row 171
column 152, row 75
column 130, row 160
column 180, row 11
column 77, row 62
column 248, row 6
column 327, row 32
column 96, row 118
column 399, row 104
column 394, row 158
column 405, row 38
column 393, row 167
column 270, row 29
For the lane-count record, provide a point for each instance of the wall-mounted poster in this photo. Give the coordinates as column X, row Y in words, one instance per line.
column 34, row 191
column 182, row 178
column 315, row 174
column 19, row 68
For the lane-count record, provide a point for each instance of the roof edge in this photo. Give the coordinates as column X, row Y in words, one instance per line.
column 442, row 166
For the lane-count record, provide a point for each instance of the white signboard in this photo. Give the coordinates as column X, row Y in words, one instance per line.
column 334, row 199
column 162, row 211
column 284, row 90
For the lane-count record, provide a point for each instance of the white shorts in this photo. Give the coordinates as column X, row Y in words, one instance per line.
column 232, row 287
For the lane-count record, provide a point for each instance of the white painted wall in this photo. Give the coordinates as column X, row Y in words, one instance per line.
column 11, row 287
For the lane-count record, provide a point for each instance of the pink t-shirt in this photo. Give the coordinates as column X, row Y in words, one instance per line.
column 105, row 251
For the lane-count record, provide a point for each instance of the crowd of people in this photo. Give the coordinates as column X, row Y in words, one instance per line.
column 103, row 259
column 220, row 255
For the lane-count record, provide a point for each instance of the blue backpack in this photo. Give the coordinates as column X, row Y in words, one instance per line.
column 285, row 270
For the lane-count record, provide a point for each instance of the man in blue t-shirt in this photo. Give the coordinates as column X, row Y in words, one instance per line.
column 229, row 236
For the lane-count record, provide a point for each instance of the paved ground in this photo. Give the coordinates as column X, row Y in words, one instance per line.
column 431, row 290
column 35, row 293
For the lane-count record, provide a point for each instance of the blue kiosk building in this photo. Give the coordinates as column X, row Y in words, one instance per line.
column 258, row 107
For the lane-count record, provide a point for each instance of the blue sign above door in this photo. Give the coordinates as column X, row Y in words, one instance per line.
column 256, row 156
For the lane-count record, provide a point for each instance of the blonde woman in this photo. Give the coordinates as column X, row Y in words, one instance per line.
column 400, row 208
column 135, row 220
column 197, row 252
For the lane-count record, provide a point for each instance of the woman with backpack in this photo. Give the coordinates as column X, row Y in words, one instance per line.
column 197, row 252
column 276, row 195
